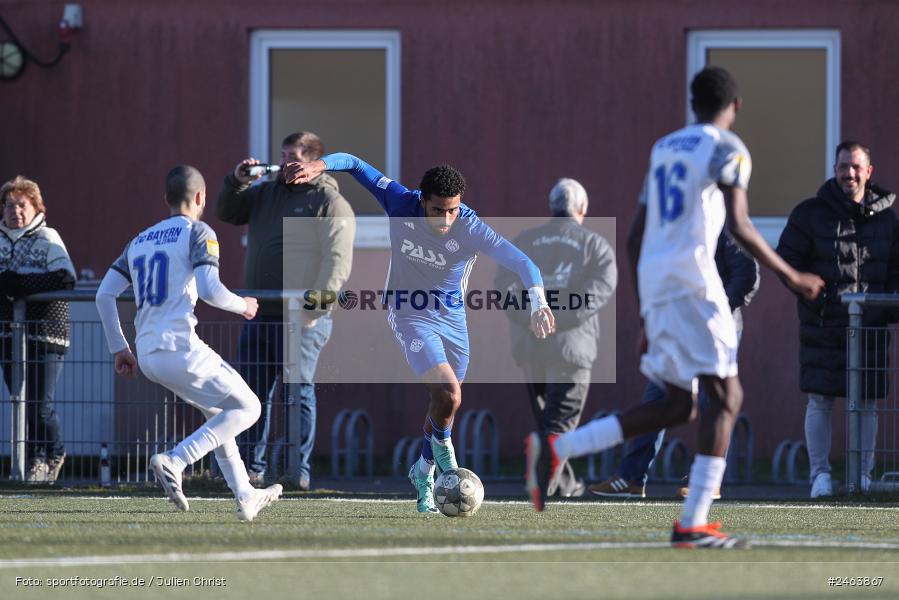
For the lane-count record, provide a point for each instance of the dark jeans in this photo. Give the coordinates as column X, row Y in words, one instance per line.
column 557, row 394
column 41, row 422
column 641, row 451
column 260, row 356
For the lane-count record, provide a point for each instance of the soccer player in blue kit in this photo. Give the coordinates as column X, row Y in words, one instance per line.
column 434, row 242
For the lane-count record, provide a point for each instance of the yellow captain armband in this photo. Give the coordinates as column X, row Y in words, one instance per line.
column 212, row 248
column 744, row 168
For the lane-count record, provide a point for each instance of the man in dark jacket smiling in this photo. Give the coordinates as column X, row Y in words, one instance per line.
column 849, row 235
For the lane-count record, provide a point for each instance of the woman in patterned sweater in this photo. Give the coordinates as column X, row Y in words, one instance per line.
column 33, row 259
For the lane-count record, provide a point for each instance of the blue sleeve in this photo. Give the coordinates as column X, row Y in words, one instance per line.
column 498, row 248
column 392, row 196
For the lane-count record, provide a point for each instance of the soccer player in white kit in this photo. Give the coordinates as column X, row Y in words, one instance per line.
column 697, row 181
column 171, row 264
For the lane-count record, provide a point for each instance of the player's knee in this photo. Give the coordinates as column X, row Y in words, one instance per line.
column 249, row 408
column 733, row 399
column 253, row 410
column 449, row 397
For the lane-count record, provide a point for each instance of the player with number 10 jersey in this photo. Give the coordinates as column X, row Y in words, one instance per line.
column 160, row 261
column 171, row 265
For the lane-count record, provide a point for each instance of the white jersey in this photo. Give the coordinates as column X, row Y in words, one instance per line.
column 160, row 263
column 685, row 212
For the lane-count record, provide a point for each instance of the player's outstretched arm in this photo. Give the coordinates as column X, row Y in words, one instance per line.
column 543, row 322
column 112, row 286
column 744, row 233
column 386, row 191
column 214, row 293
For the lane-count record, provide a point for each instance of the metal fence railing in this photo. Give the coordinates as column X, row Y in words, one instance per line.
column 136, row 418
column 872, row 402
column 126, row 419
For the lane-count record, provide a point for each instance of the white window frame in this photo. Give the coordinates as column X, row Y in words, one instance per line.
column 372, row 231
column 700, row 41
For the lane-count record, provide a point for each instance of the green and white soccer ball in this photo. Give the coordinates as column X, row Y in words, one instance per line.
column 458, row 493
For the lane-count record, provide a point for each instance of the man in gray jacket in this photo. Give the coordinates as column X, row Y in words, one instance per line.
column 579, row 266
column 320, row 251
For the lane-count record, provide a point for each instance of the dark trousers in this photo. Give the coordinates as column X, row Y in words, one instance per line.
column 42, row 430
column 558, row 394
column 641, row 451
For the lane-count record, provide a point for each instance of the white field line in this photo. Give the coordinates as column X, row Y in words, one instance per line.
column 411, row 552
column 567, row 504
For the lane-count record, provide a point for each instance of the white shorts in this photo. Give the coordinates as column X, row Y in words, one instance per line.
column 198, row 376
column 688, row 337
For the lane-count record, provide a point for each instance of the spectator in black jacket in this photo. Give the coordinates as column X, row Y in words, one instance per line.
column 849, row 235
column 579, row 266
column 740, row 275
column 33, row 259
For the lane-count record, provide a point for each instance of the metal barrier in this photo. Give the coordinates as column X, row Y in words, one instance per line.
column 609, row 458
column 405, row 454
column 352, row 439
column 134, row 418
column 478, row 441
column 674, row 464
column 739, row 453
column 785, row 465
column 872, row 408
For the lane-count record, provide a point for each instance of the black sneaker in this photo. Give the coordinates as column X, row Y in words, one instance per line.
column 542, row 466
column 704, row 536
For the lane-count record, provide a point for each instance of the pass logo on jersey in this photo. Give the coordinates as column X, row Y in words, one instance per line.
column 212, row 247
column 416, row 252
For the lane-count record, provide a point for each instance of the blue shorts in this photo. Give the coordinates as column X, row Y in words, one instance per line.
column 427, row 341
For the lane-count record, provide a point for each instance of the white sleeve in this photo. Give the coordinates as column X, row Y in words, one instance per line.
column 113, row 284
column 537, row 298
column 214, row 292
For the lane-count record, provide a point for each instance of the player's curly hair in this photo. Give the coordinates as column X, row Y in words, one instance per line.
column 443, row 181
column 712, row 90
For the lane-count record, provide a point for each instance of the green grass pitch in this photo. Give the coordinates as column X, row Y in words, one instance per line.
column 370, row 548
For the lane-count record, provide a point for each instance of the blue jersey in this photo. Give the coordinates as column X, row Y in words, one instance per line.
column 426, row 265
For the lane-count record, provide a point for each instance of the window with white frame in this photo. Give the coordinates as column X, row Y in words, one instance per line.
column 790, row 119
column 344, row 86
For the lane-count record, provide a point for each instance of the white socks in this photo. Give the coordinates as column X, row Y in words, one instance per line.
column 195, row 446
column 595, row 436
column 424, row 467
column 236, row 414
column 233, row 470
column 705, row 477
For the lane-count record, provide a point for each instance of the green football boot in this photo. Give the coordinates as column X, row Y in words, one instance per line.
column 444, row 455
column 424, row 485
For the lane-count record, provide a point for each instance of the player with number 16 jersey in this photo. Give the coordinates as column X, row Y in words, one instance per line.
column 685, row 214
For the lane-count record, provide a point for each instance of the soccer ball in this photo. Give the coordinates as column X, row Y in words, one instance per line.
column 458, row 493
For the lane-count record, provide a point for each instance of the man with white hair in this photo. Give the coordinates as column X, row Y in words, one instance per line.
column 578, row 269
